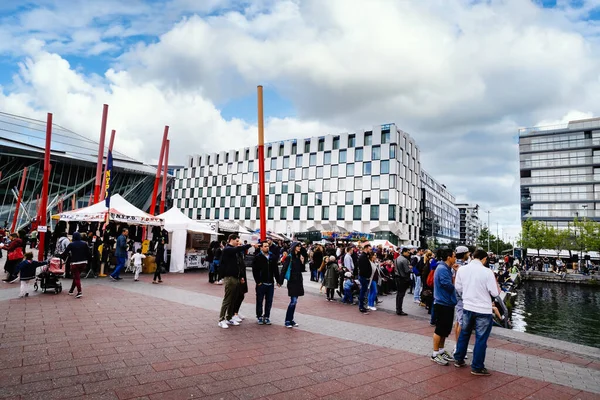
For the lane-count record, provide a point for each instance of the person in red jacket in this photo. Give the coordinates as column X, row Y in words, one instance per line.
column 14, row 256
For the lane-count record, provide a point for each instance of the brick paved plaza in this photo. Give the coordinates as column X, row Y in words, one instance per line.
column 127, row 340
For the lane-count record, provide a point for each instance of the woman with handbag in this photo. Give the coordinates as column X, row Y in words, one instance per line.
column 14, row 257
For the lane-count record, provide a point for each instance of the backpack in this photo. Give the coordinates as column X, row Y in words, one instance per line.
column 430, row 278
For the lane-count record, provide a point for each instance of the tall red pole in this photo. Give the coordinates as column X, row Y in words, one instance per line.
column 110, row 147
column 44, row 201
column 158, row 168
column 261, row 167
column 163, row 194
column 100, row 154
column 19, row 198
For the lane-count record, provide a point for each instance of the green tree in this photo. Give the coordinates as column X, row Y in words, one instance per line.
column 534, row 235
column 558, row 239
column 484, row 238
column 587, row 235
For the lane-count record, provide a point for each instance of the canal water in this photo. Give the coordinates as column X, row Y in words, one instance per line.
column 561, row 311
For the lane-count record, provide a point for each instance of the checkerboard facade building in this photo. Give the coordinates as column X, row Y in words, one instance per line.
column 365, row 181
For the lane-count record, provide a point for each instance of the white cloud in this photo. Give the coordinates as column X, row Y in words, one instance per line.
column 460, row 76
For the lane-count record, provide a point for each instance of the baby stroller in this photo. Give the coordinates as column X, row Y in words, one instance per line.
column 49, row 276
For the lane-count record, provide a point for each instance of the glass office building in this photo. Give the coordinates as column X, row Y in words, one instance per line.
column 560, row 172
column 439, row 215
column 73, row 170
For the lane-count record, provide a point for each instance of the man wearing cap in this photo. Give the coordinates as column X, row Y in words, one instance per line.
column 402, row 279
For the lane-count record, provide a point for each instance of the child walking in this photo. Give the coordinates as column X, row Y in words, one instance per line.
column 137, row 263
column 26, row 269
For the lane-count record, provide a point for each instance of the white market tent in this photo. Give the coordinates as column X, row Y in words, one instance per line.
column 120, row 211
column 179, row 224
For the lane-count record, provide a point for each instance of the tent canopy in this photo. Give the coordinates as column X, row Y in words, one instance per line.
column 175, row 219
column 120, row 211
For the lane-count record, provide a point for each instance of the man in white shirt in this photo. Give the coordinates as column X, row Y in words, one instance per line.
column 476, row 285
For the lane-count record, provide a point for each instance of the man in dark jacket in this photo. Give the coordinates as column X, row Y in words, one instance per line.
column 266, row 273
column 120, row 254
column 232, row 272
column 402, row 278
column 364, row 276
column 80, row 256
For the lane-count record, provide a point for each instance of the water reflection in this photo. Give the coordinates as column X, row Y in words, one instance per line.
column 560, row 311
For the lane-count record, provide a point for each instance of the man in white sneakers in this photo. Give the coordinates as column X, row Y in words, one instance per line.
column 476, row 285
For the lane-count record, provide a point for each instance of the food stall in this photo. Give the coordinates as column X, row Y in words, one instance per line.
column 188, row 240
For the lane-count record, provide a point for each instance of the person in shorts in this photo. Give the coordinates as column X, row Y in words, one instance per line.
column 444, row 304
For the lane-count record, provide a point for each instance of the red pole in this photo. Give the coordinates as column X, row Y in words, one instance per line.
column 110, row 147
column 100, row 154
column 158, row 168
column 261, row 166
column 16, row 216
column 163, row 194
column 44, row 201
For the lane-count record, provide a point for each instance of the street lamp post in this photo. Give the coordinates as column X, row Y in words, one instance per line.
column 488, row 228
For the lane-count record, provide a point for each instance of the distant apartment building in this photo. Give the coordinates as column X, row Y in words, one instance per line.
column 366, row 181
column 470, row 225
column 560, row 172
column 440, row 220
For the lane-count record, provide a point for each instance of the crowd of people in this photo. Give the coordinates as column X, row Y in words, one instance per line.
column 91, row 245
column 456, row 287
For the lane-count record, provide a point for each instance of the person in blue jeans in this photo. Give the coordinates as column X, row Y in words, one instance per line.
column 292, row 272
column 120, row 254
column 477, row 285
column 266, row 273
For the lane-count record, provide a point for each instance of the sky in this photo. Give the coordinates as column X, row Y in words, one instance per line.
column 460, row 76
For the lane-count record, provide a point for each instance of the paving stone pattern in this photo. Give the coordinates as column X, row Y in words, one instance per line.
column 136, row 340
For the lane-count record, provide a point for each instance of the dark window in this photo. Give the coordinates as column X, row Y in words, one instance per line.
column 376, row 153
column 342, row 156
column 358, row 154
column 385, row 136
column 325, row 212
column 357, row 213
column 385, row 167
column 340, row 213
column 336, row 142
column 351, row 141
column 374, row 213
